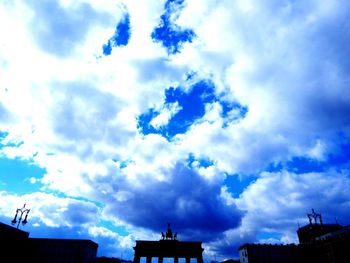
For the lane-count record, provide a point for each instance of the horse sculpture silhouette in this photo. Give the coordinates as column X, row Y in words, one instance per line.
column 168, row 247
column 169, row 233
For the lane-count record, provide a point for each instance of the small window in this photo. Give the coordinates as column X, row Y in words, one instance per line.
column 168, row 260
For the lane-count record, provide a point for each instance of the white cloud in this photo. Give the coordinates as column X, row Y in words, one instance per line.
column 61, row 217
column 276, row 204
column 279, row 201
column 50, row 210
column 165, row 114
column 75, row 113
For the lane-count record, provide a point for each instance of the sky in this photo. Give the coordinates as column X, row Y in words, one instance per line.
column 228, row 119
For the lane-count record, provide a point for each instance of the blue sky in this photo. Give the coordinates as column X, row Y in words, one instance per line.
column 229, row 119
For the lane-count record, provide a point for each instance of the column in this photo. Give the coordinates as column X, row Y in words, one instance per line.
column 188, row 260
column 160, row 260
column 149, row 260
column 136, row 259
column 200, row 260
column 176, row 260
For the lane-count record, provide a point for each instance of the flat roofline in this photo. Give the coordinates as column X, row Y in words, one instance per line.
column 11, row 229
column 265, row 244
column 67, row 240
column 319, row 225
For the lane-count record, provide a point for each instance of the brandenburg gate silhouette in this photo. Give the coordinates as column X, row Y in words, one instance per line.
column 168, row 247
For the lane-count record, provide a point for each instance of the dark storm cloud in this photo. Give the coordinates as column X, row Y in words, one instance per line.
column 186, row 200
column 81, row 213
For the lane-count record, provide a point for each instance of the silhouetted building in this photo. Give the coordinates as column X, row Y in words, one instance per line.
column 309, row 233
column 16, row 245
column 8, row 232
column 168, row 247
column 324, row 242
column 12, row 239
column 47, row 250
column 321, row 243
column 249, row 253
column 332, row 247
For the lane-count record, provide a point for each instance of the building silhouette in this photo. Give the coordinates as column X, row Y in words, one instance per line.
column 308, row 234
column 318, row 242
column 290, row 253
column 168, row 247
column 17, row 246
column 49, row 250
column 11, row 240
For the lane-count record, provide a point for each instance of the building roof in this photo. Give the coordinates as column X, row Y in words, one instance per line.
column 59, row 240
column 7, row 231
column 266, row 245
column 335, row 234
column 327, row 226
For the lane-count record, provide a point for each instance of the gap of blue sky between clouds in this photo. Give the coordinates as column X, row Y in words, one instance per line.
column 191, row 108
column 170, row 35
column 336, row 160
column 17, row 175
column 121, row 35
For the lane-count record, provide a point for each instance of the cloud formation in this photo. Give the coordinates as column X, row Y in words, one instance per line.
column 148, row 110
